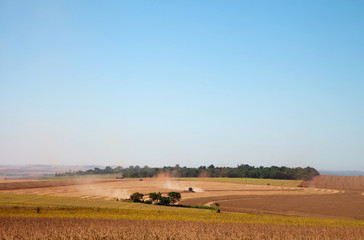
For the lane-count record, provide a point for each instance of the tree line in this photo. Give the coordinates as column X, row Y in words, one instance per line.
column 241, row 171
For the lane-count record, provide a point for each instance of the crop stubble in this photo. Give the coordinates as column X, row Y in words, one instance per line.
column 55, row 228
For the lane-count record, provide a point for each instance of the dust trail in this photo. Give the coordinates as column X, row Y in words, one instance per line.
column 94, row 188
column 168, row 183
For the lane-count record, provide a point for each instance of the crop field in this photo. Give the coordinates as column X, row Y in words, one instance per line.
column 26, row 184
column 112, row 189
column 91, row 208
column 325, row 196
column 254, row 196
column 58, row 228
column 349, row 183
column 258, row 181
column 26, row 200
column 95, row 223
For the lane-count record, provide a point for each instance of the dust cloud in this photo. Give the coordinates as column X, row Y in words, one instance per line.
column 166, row 181
column 91, row 187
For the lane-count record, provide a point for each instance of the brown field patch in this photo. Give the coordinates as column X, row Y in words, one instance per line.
column 343, row 205
column 33, row 183
column 347, row 183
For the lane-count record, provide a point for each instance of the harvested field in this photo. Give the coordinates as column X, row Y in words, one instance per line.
column 343, row 205
column 256, row 181
column 26, row 184
column 111, row 189
column 348, row 183
column 56, row 228
column 232, row 196
column 26, row 200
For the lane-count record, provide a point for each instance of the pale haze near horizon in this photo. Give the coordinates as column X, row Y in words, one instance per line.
column 182, row 82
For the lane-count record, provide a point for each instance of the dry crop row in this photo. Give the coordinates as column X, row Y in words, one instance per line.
column 56, row 228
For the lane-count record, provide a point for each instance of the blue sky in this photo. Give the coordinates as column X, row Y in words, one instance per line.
column 190, row 82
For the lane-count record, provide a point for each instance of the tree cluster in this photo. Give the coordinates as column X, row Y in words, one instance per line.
column 157, row 198
column 241, row 171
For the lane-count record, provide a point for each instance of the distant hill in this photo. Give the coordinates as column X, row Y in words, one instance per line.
column 38, row 170
column 342, row 173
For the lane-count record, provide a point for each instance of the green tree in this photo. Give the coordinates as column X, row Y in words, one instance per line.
column 155, row 197
column 107, row 169
column 137, row 197
column 174, row 197
column 164, row 201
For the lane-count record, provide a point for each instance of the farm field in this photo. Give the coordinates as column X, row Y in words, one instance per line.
column 341, row 197
column 58, row 228
column 111, row 188
column 250, row 209
column 27, row 200
column 348, row 183
column 151, row 222
column 256, row 181
column 281, row 197
column 43, row 183
column 341, row 205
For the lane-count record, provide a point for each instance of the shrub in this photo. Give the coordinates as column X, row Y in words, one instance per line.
column 164, row 201
column 137, row 197
column 174, row 197
column 155, row 197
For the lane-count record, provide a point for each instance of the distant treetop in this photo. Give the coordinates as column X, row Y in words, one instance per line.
column 241, row 171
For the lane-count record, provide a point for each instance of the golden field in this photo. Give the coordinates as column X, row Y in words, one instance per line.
column 59, row 228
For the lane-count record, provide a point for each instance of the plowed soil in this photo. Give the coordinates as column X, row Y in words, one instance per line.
column 341, row 205
column 341, row 197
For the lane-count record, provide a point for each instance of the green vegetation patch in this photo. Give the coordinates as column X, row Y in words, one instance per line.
column 241, row 171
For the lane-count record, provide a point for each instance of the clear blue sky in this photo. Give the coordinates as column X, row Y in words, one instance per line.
column 189, row 82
